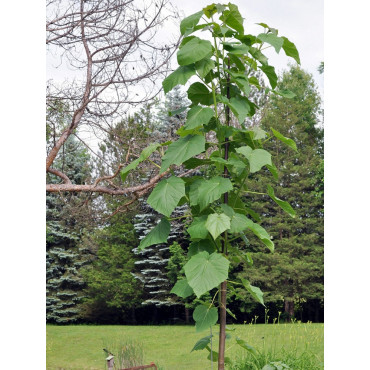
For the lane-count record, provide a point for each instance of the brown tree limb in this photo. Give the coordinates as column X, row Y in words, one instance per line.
column 61, row 175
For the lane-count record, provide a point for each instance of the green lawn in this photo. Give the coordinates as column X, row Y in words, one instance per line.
column 80, row 347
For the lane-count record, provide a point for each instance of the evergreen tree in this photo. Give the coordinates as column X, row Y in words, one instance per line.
column 152, row 262
column 64, row 231
column 294, row 272
column 112, row 293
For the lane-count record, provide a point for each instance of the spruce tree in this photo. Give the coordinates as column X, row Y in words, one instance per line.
column 64, row 231
column 293, row 274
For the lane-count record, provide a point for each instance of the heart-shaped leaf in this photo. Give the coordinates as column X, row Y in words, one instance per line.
column 206, row 271
column 157, row 235
column 204, row 317
column 182, row 289
column 166, row 195
column 217, row 224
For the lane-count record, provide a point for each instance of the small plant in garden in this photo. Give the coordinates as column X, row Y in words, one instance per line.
column 127, row 353
column 216, row 138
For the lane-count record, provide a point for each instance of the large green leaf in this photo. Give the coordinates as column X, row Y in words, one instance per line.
column 166, row 195
column 269, row 71
column 201, row 246
column 197, row 229
column 206, row 271
column 240, row 106
column 257, row 54
column 187, row 24
column 202, row 343
column 282, row 203
column 261, row 233
column 182, row 289
column 198, row 116
column 291, row 50
column 242, row 81
column 194, row 50
column 178, row 77
column 255, row 292
column 211, row 190
column 273, row 40
column 157, row 235
column 183, row 149
column 257, row 157
column 238, row 223
column 233, row 18
column 204, row 317
column 204, row 66
column 238, row 49
column 284, row 139
column 146, row 152
column 217, row 224
column 199, row 93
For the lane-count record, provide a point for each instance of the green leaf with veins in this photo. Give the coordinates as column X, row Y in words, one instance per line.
column 238, row 223
column 269, row 71
column 237, row 49
column 182, row 289
column 257, row 157
column 178, row 77
column 291, row 50
column 273, row 40
column 206, row 271
column 282, row 203
column 211, row 190
column 193, row 51
column 202, row 343
column 201, row 246
column 199, row 93
column 197, row 229
column 233, row 18
column 188, row 23
column 216, row 224
column 204, row 317
column 204, row 66
column 255, row 292
column 157, row 235
column 198, row 116
column 284, row 139
column 183, row 149
column 166, row 195
column 240, row 106
column 261, row 233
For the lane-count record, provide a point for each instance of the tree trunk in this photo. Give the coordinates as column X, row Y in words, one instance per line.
column 223, row 287
column 221, row 346
column 186, row 315
column 133, row 316
column 289, row 308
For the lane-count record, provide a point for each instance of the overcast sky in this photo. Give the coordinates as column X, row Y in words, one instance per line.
column 301, row 21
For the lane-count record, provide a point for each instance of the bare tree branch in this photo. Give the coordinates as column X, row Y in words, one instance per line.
column 113, row 42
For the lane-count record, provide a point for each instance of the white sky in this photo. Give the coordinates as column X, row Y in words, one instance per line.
column 301, row 21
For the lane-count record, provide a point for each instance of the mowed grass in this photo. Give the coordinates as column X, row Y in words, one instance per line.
column 81, row 346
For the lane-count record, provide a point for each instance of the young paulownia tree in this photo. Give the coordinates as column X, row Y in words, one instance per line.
column 216, row 138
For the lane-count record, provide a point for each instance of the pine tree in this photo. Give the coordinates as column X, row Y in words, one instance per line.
column 294, row 273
